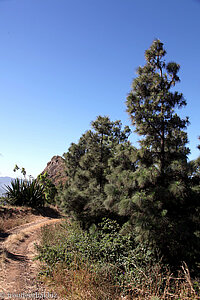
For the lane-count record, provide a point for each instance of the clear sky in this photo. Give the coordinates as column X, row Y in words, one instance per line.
column 64, row 62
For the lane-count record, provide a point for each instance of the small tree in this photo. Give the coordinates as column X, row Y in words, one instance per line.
column 87, row 165
column 48, row 188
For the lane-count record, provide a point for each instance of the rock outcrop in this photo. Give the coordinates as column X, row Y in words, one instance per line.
column 56, row 170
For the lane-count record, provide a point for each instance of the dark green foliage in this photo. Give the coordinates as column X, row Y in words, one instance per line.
column 120, row 186
column 87, row 165
column 163, row 205
column 102, row 244
column 25, row 193
column 151, row 105
column 194, row 176
column 194, row 173
column 49, row 188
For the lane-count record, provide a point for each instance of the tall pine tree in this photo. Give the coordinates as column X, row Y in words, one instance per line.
column 162, row 205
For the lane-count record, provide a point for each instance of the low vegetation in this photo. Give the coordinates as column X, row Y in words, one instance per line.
column 105, row 263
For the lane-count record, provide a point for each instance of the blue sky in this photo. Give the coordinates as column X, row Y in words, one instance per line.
column 64, row 62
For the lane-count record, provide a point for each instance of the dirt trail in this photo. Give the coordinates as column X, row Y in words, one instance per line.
column 18, row 271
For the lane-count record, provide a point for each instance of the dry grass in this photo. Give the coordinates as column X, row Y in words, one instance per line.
column 9, row 223
column 164, row 286
column 13, row 240
column 11, row 217
column 82, row 284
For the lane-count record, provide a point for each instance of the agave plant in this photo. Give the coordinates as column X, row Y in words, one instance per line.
column 34, row 194
column 14, row 192
column 23, row 192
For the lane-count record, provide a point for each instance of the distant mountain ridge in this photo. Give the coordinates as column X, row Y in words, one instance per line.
column 4, row 181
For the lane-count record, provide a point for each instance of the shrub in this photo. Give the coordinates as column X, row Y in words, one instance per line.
column 107, row 251
column 110, row 262
column 25, row 193
column 49, row 188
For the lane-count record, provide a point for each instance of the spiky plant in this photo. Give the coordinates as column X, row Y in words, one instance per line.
column 25, row 193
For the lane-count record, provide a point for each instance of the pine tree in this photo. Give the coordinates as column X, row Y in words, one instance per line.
column 194, row 174
column 120, row 186
column 162, row 205
column 87, row 165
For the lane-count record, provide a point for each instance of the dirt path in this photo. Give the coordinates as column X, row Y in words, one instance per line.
column 18, row 271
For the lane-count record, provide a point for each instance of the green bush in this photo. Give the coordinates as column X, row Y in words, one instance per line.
column 25, row 193
column 103, row 247
column 111, row 255
column 49, row 188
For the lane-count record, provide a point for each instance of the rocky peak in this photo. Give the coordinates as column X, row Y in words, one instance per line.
column 56, row 170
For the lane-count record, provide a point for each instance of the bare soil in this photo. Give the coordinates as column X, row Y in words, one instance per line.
column 18, row 270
